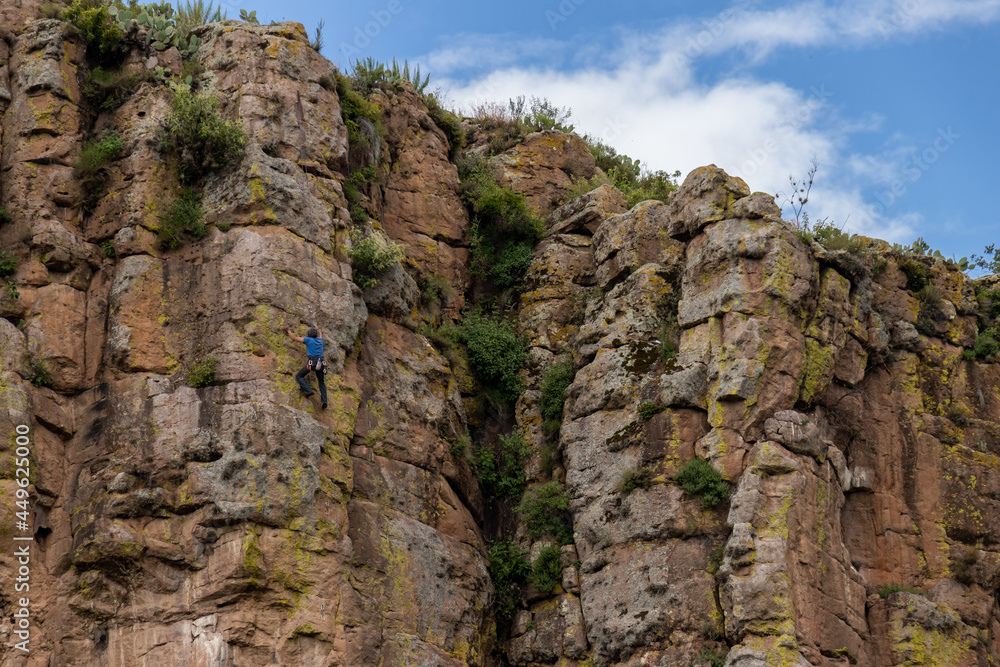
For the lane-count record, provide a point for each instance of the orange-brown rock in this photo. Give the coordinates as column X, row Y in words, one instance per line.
column 239, row 523
column 543, row 166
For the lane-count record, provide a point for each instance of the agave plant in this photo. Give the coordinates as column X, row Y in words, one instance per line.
column 397, row 75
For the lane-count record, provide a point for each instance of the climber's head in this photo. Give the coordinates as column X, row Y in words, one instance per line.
column 312, row 333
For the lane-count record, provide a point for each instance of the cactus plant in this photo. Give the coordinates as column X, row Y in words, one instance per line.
column 158, row 25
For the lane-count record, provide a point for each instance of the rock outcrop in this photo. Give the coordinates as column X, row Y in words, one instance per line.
column 240, row 524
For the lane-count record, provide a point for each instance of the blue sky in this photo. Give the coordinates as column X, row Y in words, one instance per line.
column 898, row 100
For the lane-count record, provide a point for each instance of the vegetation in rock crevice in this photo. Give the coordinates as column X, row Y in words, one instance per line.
column 499, row 466
column 546, row 570
column 699, row 479
column 555, row 380
column 504, row 229
column 91, row 167
column 508, row 567
column 545, row 511
column 371, row 257
column 197, row 138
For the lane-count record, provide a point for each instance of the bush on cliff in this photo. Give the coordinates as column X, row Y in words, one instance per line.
column 371, row 258
column 198, row 138
column 102, row 35
column 555, row 380
column 181, row 220
column 363, row 120
column 202, row 373
column 106, row 90
column 449, row 123
column 698, row 478
column 504, row 229
column 499, row 466
column 546, row 571
column 90, row 168
column 496, row 354
column 545, row 510
column 637, row 183
column 508, row 567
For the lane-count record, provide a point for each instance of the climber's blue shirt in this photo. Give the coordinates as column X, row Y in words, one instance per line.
column 314, row 346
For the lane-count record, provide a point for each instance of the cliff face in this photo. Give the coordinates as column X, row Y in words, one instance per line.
column 240, row 524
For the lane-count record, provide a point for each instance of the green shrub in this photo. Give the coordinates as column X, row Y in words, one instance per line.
column 102, row 35
column 38, row 372
column 181, row 220
column 648, row 409
column 106, row 90
column 986, row 345
column 555, row 380
column 638, row 478
column 930, row 299
column 512, row 264
column 713, row 656
column 91, row 167
column 496, row 354
column 989, row 303
column 546, row 571
column 449, row 123
column 8, row 264
column 357, row 112
column 545, row 510
column 504, row 228
column 459, row 446
column 202, row 373
column 634, row 182
column 500, row 466
column 651, row 185
column 508, row 567
column 4, row 215
column 97, row 153
column 715, row 559
column 880, row 265
column 108, row 248
column 372, row 258
column 435, row 289
column 698, row 478
column 832, row 237
column 889, row 589
column 199, row 140
column 917, row 276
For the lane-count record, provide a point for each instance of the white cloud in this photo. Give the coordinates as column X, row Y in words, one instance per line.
column 643, row 98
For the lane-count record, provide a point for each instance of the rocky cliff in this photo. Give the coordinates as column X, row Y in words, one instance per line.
column 239, row 524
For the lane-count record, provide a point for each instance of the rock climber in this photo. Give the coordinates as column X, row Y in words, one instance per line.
column 314, row 362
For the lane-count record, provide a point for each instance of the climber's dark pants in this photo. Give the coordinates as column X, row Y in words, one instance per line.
column 320, row 377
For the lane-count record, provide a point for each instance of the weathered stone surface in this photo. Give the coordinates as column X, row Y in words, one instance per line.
column 239, row 523
column 543, row 166
column 705, row 196
column 627, row 241
column 422, row 208
column 586, row 213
